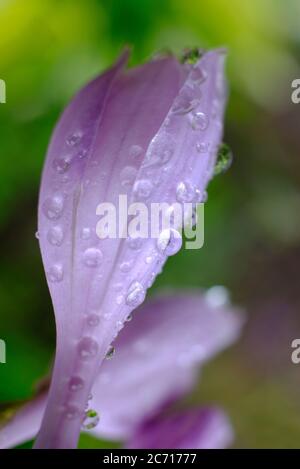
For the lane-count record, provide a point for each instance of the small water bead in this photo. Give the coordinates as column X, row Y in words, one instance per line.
column 82, row 154
column 224, row 159
column 85, row 233
column 55, row 236
column 169, row 242
column 71, row 412
column 91, row 420
column 187, row 192
column 217, row 296
column 110, row 352
column 149, row 259
column 76, row 384
column 135, row 294
column 87, row 348
column 55, row 273
column 129, row 318
column 135, row 243
column 199, row 120
column 126, row 266
column 53, row 207
column 119, row 299
column 202, row 147
column 198, row 75
column 74, row 139
column 185, row 103
column 135, row 151
column 93, row 257
column 143, row 188
column 37, row 235
column 61, row 165
column 93, row 320
column 128, row 175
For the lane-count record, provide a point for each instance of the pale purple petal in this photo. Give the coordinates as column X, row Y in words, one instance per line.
column 93, row 146
column 157, row 359
column 24, row 425
column 198, row 428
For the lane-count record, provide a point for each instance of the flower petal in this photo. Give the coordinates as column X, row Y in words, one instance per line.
column 199, row 428
column 122, row 134
column 157, row 359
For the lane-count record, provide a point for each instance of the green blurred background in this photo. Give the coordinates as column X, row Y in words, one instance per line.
column 48, row 49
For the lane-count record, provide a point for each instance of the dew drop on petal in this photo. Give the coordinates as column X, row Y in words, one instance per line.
column 76, row 384
column 199, row 120
column 92, row 257
column 135, row 294
column 74, row 139
column 53, row 207
column 61, row 165
column 93, row 320
column 126, row 266
column 127, row 176
column 55, row 273
column 135, row 151
column 91, row 420
column 186, row 192
column 135, row 243
column 202, row 147
column 71, row 412
column 87, row 348
column 55, row 236
column 37, row 235
column 169, row 242
column 143, row 188
column 224, row 159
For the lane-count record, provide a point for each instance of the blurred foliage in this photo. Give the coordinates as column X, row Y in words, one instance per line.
column 48, row 50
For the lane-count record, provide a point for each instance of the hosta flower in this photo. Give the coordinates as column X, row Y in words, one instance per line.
column 157, row 361
column 150, row 133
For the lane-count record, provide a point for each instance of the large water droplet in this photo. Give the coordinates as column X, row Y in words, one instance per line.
column 187, row 192
column 110, row 352
column 53, row 207
column 87, row 348
column 128, row 175
column 55, row 236
column 199, row 120
column 224, row 159
column 169, row 242
column 93, row 257
column 135, row 294
column 143, row 188
column 91, row 420
column 55, row 273
column 76, row 384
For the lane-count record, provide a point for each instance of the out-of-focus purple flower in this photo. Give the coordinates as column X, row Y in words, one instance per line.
column 150, row 133
column 157, row 361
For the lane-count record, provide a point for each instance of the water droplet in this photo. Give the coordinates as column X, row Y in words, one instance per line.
column 53, row 207
column 197, row 75
column 82, row 154
column 149, row 259
column 128, row 175
column 110, row 352
column 202, row 147
column 76, row 384
column 135, row 151
column 74, row 139
column 136, row 294
column 85, row 233
column 224, row 159
column 91, row 420
column 93, row 320
column 143, row 188
column 71, row 412
column 191, row 55
column 93, row 257
column 187, row 192
column 55, row 236
column 119, row 299
column 129, row 318
column 185, row 103
column 199, row 120
column 135, row 243
column 87, row 348
column 217, row 296
column 169, row 242
column 126, row 266
column 37, row 235
column 55, row 273
column 61, row 165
